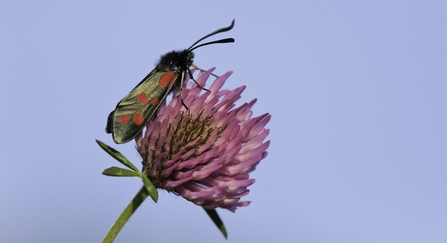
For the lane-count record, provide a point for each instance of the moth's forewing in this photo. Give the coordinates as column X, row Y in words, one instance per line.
column 137, row 108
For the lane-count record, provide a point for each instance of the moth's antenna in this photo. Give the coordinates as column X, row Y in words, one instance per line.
column 226, row 40
column 213, row 33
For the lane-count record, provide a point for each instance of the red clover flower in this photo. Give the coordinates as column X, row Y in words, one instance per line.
column 205, row 153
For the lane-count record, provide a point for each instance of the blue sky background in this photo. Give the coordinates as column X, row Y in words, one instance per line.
column 357, row 91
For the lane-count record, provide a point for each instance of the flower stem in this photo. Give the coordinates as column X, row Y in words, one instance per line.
column 125, row 215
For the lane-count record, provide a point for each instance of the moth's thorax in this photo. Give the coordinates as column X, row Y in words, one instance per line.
column 175, row 61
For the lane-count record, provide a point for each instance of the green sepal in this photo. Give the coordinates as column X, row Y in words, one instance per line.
column 212, row 213
column 150, row 188
column 117, row 171
column 118, row 156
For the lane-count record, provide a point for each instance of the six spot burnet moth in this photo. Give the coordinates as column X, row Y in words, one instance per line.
column 135, row 110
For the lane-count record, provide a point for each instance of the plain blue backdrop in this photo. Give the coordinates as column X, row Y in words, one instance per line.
column 357, row 91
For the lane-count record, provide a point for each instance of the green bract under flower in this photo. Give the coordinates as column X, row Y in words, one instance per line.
column 205, row 153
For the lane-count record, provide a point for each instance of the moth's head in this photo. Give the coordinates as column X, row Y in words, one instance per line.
column 189, row 58
column 176, row 60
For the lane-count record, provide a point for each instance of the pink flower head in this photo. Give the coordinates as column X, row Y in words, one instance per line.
column 205, row 153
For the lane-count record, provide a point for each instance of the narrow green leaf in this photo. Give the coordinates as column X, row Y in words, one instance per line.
column 212, row 213
column 118, row 156
column 117, row 171
column 125, row 215
column 150, row 188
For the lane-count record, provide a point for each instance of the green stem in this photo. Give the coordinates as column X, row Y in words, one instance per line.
column 125, row 215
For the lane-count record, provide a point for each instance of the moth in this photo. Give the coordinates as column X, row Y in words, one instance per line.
column 135, row 110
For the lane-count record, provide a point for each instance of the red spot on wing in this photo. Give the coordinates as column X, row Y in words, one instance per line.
column 142, row 98
column 124, row 119
column 138, row 119
column 155, row 101
column 166, row 78
column 172, row 81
